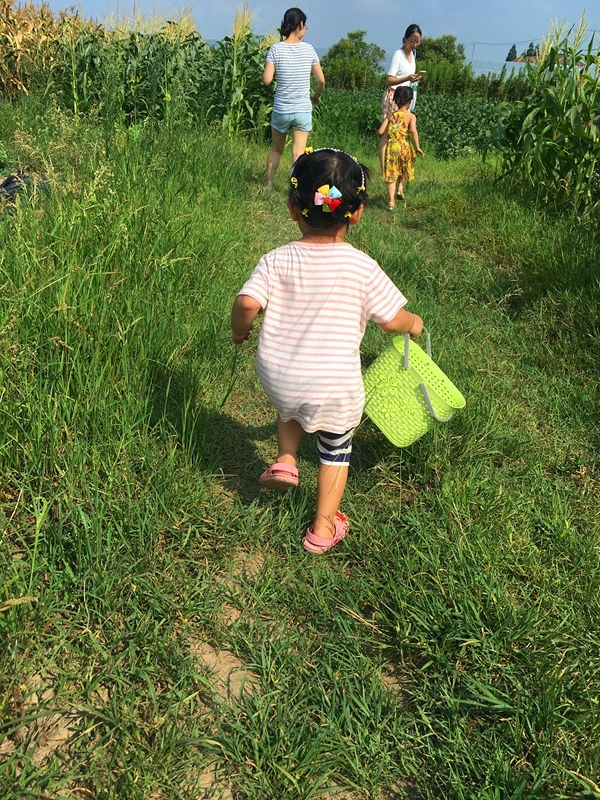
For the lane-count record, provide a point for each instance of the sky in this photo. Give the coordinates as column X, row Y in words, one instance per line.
column 486, row 28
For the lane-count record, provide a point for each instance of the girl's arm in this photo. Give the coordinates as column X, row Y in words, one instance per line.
column 412, row 128
column 317, row 72
column 404, row 322
column 268, row 73
column 244, row 312
column 383, row 127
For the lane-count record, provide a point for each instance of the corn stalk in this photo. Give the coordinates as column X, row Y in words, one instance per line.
column 552, row 144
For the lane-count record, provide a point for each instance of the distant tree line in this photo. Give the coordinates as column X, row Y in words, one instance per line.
column 531, row 52
column 353, row 63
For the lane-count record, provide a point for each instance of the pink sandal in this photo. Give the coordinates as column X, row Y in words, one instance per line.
column 316, row 544
column 279, row 476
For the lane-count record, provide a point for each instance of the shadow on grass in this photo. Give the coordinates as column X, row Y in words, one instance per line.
column 213, row 440
column 219, row 444
column 552, row 252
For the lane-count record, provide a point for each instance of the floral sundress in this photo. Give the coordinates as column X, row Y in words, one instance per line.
column 400, row 154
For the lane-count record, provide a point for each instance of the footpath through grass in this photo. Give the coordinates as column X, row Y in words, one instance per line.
column 163, row 633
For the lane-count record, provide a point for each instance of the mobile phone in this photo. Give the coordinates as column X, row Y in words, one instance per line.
column 422, row 71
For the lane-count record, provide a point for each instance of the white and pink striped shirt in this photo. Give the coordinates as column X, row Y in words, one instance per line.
column 317, row 300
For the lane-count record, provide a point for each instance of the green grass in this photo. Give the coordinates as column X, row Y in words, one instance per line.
column 164, row 633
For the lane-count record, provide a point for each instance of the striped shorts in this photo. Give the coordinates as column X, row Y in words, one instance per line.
column 335, row 448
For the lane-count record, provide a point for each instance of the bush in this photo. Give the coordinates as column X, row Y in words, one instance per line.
column 456, row 79
column 352, row 63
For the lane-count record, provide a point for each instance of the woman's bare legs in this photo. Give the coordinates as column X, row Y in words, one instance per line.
column 331, row 482
column 299, row 140
column 277, row 147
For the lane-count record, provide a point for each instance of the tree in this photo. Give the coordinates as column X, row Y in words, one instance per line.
column 443, row 48
column 512, row 53
column 353, row 63
column 531, row 51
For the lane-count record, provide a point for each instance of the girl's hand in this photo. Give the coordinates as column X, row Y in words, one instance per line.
column 421, row 153
column 417, row 327
column 239, row 339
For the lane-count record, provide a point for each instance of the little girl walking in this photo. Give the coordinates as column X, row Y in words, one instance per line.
column 318, row 294
column 400, row 153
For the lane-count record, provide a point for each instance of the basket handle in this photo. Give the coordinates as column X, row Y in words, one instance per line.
column 407, row 346
column 425, row 393
column 422, row 386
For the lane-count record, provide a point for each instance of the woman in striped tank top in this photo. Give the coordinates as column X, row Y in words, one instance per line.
column 317, row 295
column 291, row 62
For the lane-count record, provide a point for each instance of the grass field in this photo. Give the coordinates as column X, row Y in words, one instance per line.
column 164, row 635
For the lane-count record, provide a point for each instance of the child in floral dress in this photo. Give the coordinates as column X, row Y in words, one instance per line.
column 402, row 147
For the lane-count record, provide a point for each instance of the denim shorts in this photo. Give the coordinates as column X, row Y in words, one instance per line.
column 299, row 121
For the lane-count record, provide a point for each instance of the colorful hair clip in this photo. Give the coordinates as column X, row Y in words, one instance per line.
column 308, row 150
column 304, row 212
column 328, row 197
column 347, row 215
column 294, row 182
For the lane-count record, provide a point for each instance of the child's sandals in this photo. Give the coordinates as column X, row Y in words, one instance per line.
column 279, row 476
column 317, row 544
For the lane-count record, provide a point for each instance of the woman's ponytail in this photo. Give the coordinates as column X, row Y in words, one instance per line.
column 291, row 19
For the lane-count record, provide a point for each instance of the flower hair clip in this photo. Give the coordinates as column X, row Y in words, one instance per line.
column 294, row 182
column 329, row 197
column 308, row 151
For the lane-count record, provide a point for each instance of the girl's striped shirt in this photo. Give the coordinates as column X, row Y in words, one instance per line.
column 317, row 300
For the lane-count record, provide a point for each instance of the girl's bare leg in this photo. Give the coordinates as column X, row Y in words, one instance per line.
column 331, row 482
column 383, row 140
column 391, row 191
column 288, row 438
column 400, row 192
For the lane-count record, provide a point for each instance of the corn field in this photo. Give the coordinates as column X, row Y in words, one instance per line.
column 134, row 71
column 552, row 142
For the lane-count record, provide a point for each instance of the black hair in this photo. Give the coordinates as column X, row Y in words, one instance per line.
column 291, row 19
column 335, row 168
column 414, row 28
column 403, row 95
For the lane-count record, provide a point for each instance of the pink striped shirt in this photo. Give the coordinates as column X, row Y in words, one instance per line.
column 317, row 300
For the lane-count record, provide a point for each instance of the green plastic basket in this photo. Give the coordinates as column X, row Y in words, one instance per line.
column 406, row 392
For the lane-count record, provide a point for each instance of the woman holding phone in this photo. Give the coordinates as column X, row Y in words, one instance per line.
column 402, row 72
